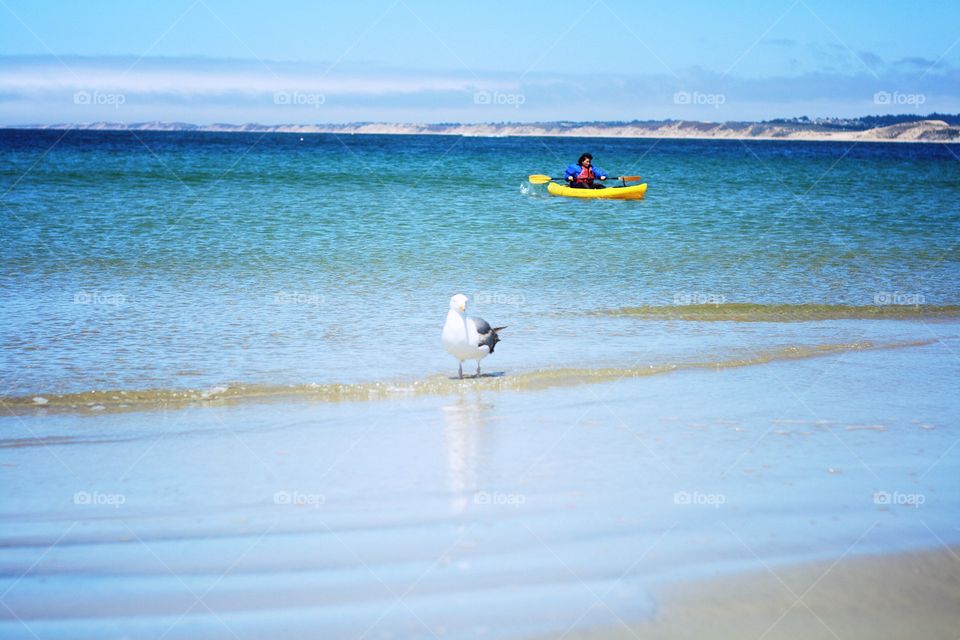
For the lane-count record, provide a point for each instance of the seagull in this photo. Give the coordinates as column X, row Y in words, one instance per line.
column 467, row 338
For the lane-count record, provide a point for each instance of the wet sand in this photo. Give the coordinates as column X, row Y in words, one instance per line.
column 909, row 595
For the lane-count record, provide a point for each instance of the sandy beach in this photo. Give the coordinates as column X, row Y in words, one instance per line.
column 895, row 596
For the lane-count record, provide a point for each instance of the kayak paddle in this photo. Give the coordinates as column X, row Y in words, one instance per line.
column 541, row 179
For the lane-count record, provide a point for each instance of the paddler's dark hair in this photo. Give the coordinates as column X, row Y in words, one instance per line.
column 584, row 157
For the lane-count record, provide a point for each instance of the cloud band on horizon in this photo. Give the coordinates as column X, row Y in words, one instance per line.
column 49, row 90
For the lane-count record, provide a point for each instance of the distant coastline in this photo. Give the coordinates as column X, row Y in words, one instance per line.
column 929, row 129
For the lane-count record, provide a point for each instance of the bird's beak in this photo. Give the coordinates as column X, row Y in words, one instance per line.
column 463, row 308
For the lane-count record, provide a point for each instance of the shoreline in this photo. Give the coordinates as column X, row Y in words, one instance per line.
column 887, row 595
column 920, row 131
column 124, row 400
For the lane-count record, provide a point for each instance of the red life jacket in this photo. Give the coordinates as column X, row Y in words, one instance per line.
column 586, row 174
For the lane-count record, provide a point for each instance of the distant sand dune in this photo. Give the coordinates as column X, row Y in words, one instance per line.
column 919, row 131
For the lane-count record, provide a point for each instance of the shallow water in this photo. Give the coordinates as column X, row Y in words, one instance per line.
column 120, row 400
column 473, row 514
column 184, row 260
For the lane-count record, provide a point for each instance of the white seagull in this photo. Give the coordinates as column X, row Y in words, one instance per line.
column 467, row 338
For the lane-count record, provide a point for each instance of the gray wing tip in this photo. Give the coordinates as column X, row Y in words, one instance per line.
column 490, row 339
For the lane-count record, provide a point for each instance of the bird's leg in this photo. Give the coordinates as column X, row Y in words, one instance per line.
column 478, row 368
column 460, row 371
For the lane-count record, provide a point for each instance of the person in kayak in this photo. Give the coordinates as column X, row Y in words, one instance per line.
column 584, row 175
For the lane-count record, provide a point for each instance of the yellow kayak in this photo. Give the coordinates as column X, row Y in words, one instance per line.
column 633, row 192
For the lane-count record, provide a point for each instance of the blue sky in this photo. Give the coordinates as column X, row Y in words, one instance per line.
column 209, row 61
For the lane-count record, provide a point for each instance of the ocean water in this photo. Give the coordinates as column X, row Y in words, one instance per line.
column 226, row 412
column 136, row 261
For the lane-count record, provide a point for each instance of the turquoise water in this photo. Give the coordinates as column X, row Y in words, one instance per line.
column 227, row 412
column 166, row 260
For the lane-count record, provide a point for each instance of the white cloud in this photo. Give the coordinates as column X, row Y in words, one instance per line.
column 40, row 90
column 203, row 79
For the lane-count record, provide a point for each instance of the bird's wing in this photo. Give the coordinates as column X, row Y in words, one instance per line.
column 483, row 327
column 486, row 335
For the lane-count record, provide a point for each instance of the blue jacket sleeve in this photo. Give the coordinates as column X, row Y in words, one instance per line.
column 600, row 173
column 572, row 170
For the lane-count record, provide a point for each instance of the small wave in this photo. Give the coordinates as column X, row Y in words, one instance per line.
column 745, row 312
column 538, row 379
column 23, row 443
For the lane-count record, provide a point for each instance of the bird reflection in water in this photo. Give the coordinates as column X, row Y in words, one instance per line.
column 464, row 424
